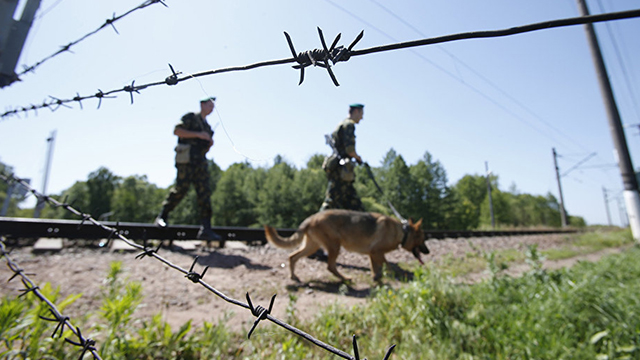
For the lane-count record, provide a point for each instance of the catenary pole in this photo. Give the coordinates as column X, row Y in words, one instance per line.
column 493, row 219
column 606, row 205
column 40, row 205
column 563, row 214
column 631, row 196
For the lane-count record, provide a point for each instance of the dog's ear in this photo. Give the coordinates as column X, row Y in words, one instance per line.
column 418, row 224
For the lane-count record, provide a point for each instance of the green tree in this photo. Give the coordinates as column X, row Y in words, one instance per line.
column 135, row 199
column 431, row 198
column 230, row 201
column 309, row 188
column 277, row 203
column 101, row 185
column 4, row 187
column 77, row 196
column 471, row 190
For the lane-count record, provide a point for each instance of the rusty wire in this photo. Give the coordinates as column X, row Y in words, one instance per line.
column 108, row 22
column 87, row 344
column 324, row 57
column 261, row 313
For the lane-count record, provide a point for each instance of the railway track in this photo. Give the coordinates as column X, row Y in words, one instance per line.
column 28, row 228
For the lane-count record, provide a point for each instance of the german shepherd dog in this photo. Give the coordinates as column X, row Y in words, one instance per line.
column 361, row 232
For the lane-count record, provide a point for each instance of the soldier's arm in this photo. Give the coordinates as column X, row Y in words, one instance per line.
column 350, row 142
column 188, row 134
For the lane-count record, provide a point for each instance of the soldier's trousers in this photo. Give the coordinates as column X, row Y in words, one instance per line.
column 341, row 195
column 198, row 175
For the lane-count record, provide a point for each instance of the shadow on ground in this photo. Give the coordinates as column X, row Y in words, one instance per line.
column 333, row 287
column 217, row 260
column 393, row 271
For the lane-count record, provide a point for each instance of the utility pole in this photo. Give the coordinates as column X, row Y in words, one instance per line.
column 563, row 214
column 606, row 205
column 624, row 219
column 631, row 196
column 40, row 204
column 13, row 33
column 493, row 219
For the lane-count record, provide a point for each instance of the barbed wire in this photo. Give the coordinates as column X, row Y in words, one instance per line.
column 108, row 22
column 261, row 313
column 324, row 57
column 87, row 344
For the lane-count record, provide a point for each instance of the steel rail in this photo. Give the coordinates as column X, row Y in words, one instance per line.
column 76, row 230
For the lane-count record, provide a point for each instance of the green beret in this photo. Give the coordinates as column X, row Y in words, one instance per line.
column 356, row 106
column 210, row 98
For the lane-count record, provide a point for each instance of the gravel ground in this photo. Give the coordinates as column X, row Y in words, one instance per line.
column 260, row 270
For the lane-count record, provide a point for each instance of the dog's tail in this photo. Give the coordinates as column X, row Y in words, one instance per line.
column 284, row 243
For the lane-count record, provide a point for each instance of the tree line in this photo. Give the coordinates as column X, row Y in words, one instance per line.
column 283, row 195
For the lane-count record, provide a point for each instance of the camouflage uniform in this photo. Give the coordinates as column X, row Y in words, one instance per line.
column 195, row 172
column 341, row 194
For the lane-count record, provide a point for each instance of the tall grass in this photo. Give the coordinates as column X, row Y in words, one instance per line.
column 590, row 311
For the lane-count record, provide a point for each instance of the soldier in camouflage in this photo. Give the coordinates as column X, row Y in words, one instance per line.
column 195, row 138
column 340, row 192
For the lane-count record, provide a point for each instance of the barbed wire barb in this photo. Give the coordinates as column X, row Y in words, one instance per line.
column 61, row 320
column 30, row 287
column 260, row 312
column 85, row 344
column 67, row 47
column 321, row 57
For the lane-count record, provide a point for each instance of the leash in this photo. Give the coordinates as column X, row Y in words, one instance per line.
column 395, row 212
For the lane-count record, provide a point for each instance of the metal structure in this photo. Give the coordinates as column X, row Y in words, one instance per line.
column 323, row 57
column 563, row 213
column 13, row 34
column 631, row 196
column 493, row 218
column 81, row 230
column 50, row 141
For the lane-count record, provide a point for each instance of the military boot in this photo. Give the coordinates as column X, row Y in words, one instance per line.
column 205, row 233
column 161, row 220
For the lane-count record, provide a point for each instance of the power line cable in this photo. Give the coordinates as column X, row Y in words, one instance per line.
column 459, row 77
column 484, row 78
column 43, row 13
column 623, row 68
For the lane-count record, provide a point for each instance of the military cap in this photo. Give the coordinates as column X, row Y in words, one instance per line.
column 356, row 106
column 208, row 98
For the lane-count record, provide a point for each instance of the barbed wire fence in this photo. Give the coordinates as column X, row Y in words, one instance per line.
column 261, row 313
column 87, row 344
column 107, row 23
column 323, row 57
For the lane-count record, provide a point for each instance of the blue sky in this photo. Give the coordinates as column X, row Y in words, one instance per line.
column 506, row 100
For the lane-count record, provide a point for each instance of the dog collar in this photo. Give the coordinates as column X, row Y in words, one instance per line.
column 405, row 230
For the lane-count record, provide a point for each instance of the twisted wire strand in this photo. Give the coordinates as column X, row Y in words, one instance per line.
column 87, row 344
column 260, row 312
column 321, row 57
column 108, row 22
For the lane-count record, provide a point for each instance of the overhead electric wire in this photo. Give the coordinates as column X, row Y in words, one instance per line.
column 623, row 68
column 42, row 13
column 458, row 78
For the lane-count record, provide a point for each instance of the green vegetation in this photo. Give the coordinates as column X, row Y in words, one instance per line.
column 590, row 242
column 283, row 196
column 591, row 311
